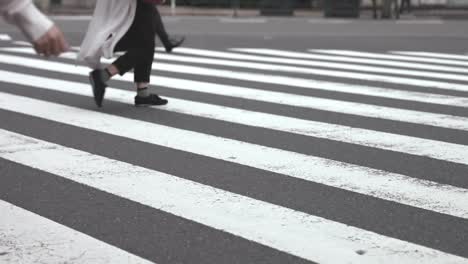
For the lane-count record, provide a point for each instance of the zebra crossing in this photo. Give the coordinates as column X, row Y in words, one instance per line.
column 434, row 54
column 261, row 156
column 58, row 242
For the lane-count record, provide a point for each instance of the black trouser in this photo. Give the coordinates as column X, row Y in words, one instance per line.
column 139, row 44
column 159, row 27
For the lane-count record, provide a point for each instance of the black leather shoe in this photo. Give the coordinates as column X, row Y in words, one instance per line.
column 173, row 43
column 99, row 86
column 152, row 99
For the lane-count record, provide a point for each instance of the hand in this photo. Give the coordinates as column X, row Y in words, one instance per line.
column 52, row 43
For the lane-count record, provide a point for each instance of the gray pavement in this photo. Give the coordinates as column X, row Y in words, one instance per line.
column 433, row 11
column 372, row 220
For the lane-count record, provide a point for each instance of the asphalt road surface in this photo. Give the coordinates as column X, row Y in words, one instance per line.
column 284, row 141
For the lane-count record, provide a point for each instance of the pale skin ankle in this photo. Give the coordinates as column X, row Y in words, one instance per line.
column 112, row 70
column 141, row 85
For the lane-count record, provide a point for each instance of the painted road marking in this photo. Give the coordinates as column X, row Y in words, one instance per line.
column 26, row 237
column 377, row 183
column 5, row 37
column 394, row 142
column 303, row 83
column 389, row 56
column 306, row 236
column 417, row 117
column 433, row 54
column 303, row 55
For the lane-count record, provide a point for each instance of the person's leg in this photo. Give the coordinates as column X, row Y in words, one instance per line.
column 143, row 70
column 405, row 4
column 139, row 44
column 100, row 77
column 144, row 45
column 159, row 27
column 143, row 67
column 124, row 63
column 142, row 78
column 374, row 8
column 141, row 60
column 144, row 56
column 169, row 43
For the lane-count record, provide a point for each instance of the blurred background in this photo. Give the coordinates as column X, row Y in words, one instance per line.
column 328, row 8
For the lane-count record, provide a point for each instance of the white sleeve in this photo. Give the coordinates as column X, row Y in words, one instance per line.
column 25, row 15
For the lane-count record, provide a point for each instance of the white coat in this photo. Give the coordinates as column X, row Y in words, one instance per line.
column 111, row 20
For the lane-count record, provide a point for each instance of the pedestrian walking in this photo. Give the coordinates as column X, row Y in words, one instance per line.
column 169, row 43
column 122, row 25
column 46, row 38
column 405, row 4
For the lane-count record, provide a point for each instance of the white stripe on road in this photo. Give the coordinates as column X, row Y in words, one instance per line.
column 5, row 37
column 318, row 85
column 22, row 43
column 296, row 82
column 303, row 55
column 389, row 186
column 416, row 117
column 309, row 237
column 330, row 21
column 316, row 71
column 26, row 237
column 420, row 22
column 71, row 18
column 340, row 74
column 243, row 20
column 360, row 109
column 389, row 57
column 405, row 144
column 433, row 54
column 275, row 79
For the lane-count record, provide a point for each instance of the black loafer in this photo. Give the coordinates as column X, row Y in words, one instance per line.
column 152, row 99
column 99, row 86
column 174, row 43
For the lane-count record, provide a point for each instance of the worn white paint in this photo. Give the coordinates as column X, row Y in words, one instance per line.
column 381, row 112
column 5, row 37
column 309, row 237
column 332, row 105
column 340, row 74
column 330, row 21
column 282, row 80
column 405, row 144
column 70, row 18
column 419, row 22
column 274, row 67
column 243, row 20
column 345, row 70
column 389, row 56
column 27, row 238
column 389, row 186
column 298, row 82
column 22, row 43
column 383, row 62
column 433, row 55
